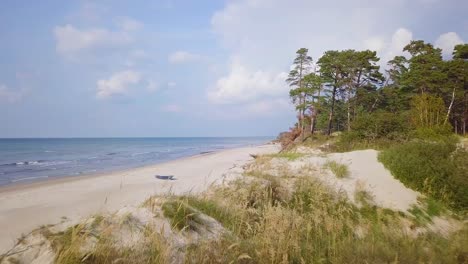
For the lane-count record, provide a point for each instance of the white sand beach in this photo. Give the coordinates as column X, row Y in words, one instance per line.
column 26, row 207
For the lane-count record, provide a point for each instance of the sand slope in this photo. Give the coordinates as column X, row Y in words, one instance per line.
column 25, row 208
column 366, row 173
column 366, row 170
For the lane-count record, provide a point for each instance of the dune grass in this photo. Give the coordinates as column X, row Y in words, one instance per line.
column 287, row 155
column 309, row 222
column 101, row 246
column 221, row 213
column 276, row 219
column 181, row 215
column 339, row 169
column 316, row 224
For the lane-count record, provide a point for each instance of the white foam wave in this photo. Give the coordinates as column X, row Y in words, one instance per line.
column 140, row 153
column 29, row 178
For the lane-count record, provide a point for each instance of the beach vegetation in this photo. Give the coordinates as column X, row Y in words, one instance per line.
column 340, row 170
column 318, row 224
column 436, row 168
column 84, row 243
column 287, row 155
column 269, row 218
column 182, row 216
column 221, row 213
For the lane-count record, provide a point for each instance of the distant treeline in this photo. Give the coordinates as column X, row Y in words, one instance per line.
column 347, row 91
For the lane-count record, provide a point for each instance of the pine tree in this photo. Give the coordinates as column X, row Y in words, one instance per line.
column 301, row 66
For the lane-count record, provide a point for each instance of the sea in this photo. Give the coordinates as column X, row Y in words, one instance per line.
column 30, row 160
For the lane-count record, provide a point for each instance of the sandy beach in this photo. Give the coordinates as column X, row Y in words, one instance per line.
column 26, row 207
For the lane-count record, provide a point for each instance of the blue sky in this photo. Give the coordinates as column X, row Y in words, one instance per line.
column 186, row 68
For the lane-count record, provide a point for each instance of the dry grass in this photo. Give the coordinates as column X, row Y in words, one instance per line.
column 182, row 216
column 94, row 242
column 271, row 219
column 312, row 223
column 316, row 225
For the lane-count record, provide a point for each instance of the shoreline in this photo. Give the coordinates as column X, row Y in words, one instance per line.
column 24, row 185
column 27, row 206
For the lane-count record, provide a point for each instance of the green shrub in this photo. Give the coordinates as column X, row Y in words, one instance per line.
column 439, row 133
column 380, row 124
column 348, row 142
column 436, row 169
column 459, row 179
column 377, row 130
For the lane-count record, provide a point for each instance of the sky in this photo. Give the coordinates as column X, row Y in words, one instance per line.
column 173, row 68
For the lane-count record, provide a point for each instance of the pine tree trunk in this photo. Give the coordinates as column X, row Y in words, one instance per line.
column 450, row 106
column 316, row 112
column 465, row 105
column 330, row 117
column 349, row 111
column 301, row 101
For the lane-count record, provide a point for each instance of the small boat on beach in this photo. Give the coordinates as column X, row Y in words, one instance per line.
column 165, row 177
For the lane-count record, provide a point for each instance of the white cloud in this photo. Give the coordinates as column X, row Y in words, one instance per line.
column 171, row 84
column 171, row 108
column 264, row 33
column 117, row 84
column 394, row 47
column 152, row 86
column 447, row 42
column 262, row 46
column 262, row 36
column 136, row 56
column 268, row 107
column 71, row 40
column 374, row 44
column 129, row 24
column 9, row 95
column 400, row 39
column 139, row 54
column 182, row 57
column 243, row 85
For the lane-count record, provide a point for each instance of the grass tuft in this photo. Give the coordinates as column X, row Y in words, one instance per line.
column 181, row 215
column 340, row 170
column 287, row 155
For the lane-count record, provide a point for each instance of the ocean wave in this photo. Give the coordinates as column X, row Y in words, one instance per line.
column 42, row 163
column 29, row 178
column 33, row 162
column 84, row 172
column 54, row 163
column 141, row 153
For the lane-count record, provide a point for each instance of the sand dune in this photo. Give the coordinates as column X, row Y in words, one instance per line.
column 23, row 208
